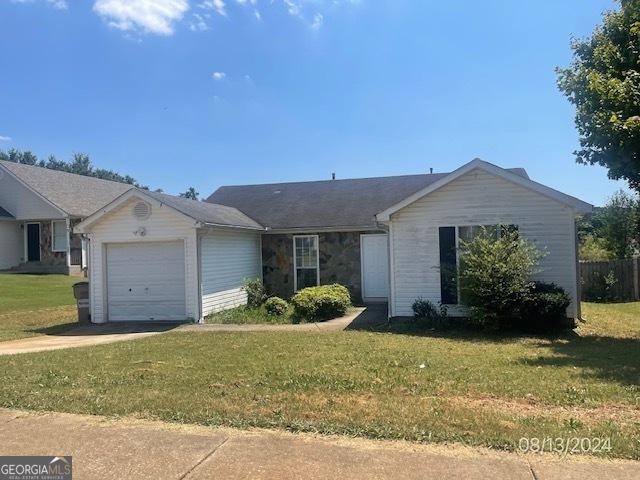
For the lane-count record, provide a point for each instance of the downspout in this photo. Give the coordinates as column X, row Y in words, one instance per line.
column 67, row 222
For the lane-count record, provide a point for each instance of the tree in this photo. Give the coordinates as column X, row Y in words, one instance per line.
column 603, row 83
column 619, row 220
column 191, row 194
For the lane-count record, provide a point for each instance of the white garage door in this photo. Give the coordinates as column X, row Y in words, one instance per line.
column 375, row 267
column 145, row 281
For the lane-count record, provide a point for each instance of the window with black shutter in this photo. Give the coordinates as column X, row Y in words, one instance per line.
column 448, row 266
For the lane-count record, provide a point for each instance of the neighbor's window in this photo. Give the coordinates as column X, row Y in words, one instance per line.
column 306, row 265
column 59, row 236
column 449, row 260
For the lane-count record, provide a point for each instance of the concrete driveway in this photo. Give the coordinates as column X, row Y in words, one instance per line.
column 88, row 335
column 107, row 448
column 84, row 336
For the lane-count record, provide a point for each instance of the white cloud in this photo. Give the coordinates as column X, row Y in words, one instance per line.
column 57, row 4
column 218, row 75
column 4, row 138
column 151, row 16
column 198, row 23
column 217, row 5
column 317, row 22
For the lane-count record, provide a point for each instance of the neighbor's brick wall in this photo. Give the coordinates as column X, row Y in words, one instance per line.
column 339, row 262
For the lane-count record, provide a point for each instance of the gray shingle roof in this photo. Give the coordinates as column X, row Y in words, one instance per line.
column 324, row 204
column 5, row 214
column 206, row 212
column 77, row 195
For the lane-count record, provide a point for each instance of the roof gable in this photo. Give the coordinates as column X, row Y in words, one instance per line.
column 578, row 205
column 76, row 195
column 203, row 213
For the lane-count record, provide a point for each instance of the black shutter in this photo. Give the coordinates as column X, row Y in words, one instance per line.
column 448, row 265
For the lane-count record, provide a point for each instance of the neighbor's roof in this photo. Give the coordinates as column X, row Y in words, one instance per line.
column 5, row 214
column 325, row 204
column 77, row 195
column 204, row 212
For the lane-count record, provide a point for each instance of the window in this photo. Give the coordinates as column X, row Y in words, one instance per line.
column 59, row 236
column 306, row 265
column 449, row 261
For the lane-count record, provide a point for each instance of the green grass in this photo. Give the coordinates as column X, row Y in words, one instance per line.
column 472, row 388
column 249, row 315
column 35, row 304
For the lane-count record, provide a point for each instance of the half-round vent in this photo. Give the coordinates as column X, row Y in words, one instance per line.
column 142, row 210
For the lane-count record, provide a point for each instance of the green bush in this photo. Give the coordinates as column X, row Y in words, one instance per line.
column 544, row 308
column 256, row 294
column 276, row 306
column 321, row 303
column 426, row 313
column 495, row 277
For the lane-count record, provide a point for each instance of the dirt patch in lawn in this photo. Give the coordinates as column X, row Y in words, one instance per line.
column 622, row 414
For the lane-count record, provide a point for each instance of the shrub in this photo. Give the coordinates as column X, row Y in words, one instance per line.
column 544, row 308
column 321, row 303
column 427, row 313
column 255, row 291
column 494, row 276
column 276, row 306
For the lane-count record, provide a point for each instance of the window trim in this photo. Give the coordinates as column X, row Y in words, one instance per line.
column 295, row 263
column 53, row 236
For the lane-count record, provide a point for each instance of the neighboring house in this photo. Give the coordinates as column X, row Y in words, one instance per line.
column 158, row 257
column 38, row 209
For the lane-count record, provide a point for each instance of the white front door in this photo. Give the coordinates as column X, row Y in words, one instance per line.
column 145, row 281
column 375, row 266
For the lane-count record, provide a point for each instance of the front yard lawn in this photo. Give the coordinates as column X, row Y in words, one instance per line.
column 33, row 304
column 471, row 388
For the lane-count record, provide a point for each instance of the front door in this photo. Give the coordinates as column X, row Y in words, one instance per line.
column 375, row 267
column 33, row 242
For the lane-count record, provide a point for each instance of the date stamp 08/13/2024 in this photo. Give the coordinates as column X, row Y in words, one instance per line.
column 565, row 445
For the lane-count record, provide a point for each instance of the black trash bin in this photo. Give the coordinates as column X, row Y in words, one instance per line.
column 81, row 294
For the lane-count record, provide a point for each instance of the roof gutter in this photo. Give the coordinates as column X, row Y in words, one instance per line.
column 221, row 225
column 346, row 228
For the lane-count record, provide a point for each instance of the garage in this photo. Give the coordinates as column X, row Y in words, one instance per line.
column 146, row 281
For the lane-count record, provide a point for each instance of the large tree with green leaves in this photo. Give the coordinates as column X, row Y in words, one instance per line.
column 603, row 83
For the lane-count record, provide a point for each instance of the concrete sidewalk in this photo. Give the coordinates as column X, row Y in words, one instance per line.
column 105, row 448
column 335, row 325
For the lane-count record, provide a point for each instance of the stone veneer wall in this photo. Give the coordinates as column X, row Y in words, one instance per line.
column 339, row 262
column 55, row 262
column 47, row 256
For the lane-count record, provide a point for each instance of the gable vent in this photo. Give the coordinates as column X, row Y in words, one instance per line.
column 142, row 210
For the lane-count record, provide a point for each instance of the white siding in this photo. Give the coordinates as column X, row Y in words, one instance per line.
column 165, row 224
column 227, row 258
column 11, row 244
column 477, row 198
column 23, row 203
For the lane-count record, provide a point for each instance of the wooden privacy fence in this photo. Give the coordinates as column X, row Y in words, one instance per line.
column 612, row 280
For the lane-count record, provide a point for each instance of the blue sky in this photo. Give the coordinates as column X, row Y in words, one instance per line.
column 210, row 92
